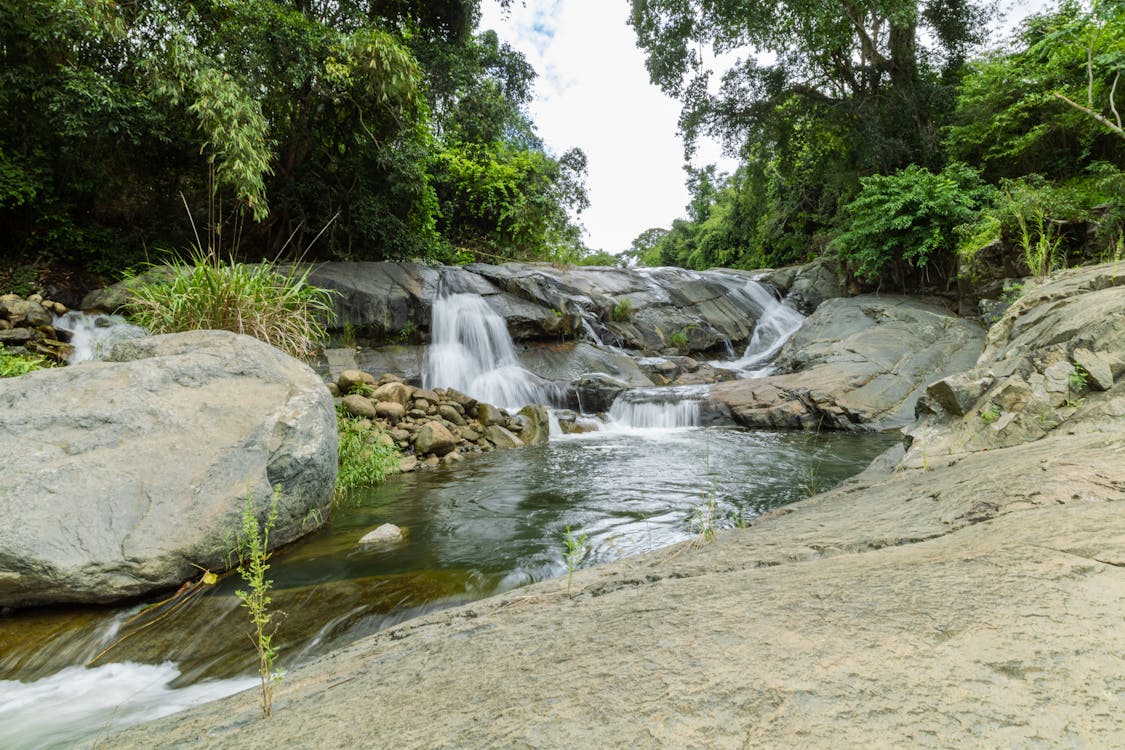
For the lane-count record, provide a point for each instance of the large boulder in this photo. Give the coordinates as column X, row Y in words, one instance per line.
column 856, row 363
column 126, row 476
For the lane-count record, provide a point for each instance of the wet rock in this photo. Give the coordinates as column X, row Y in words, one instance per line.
column 597, row 392
column 408, row 464
column 501, row 437
column 450, row 413
column 387, row 533
column 487, row 414
column 536, row 425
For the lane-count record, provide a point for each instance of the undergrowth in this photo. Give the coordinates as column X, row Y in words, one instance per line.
column 14, row 365
column 367, row 454
column 261, row 300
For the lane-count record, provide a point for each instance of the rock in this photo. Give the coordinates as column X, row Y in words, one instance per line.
column 453, row 457
column 408, row 463
column 390, row 410
column 469, row 434
column 502, row 437
column 387, row 533
column 435, row 438
column 350, row 379
column 120, row 475
column 359, row 406
column 15, row 336
column 536, row 425
column 596, row 392
column 450, row 413
column 400, row 393
column 807, row 286
column 957, row 394
column 26, row 313
column 1098, row 373
column 487, row 414
column 848, row 368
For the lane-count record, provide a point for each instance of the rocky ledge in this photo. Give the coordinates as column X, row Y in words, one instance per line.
column 947, row 596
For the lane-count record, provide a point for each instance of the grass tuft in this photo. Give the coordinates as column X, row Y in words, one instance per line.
column 367, row 454
column 277, row 306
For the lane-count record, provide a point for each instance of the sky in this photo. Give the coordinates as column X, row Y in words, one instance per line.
column 593, row 93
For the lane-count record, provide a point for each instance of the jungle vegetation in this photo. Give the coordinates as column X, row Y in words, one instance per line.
column 886, row 132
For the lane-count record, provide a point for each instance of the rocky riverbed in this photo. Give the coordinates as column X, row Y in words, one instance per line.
column 967, row 588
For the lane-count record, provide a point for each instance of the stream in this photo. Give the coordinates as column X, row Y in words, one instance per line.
column 647, row 479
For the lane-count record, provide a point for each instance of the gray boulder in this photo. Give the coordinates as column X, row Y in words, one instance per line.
column 856, row 363
column 120, row 477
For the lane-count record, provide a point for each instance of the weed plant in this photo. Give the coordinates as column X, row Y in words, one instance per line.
column 623, row 311
column 14, row 365
column 367, row 455
column 577, row 546
column 1041, row 247
column 253, row 554
column 277, row 306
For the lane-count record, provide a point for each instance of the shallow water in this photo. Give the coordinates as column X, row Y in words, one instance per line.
column 493, row 522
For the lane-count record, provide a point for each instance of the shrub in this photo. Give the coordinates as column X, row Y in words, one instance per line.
column 367, row 455
column 623, row 311
column 14, row 365
column 262, row 300
column 909, row 219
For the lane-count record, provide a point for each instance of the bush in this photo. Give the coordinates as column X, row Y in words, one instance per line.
column 277, row 306
column 908, row 219
column 14, row 365
column 367, row 455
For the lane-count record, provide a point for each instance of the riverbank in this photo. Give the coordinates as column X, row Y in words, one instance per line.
column 972, row 588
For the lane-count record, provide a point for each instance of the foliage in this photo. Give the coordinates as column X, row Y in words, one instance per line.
column 908, row 219
column 990, row 414
column 622, row 312
column 14, row 365
column 367, row 455
column 679, row 340
column 337, row 121
column 264, row 300
column 253, row 554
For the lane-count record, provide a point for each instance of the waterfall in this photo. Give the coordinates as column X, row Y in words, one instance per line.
column 471, row 351
column 657, row 408
column 776, row 323
column 92, row 335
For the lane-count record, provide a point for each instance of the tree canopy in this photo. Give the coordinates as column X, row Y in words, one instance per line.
column 866, row 127
column 366, row 130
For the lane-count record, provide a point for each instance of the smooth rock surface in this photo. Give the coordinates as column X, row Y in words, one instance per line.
column 120, row 477
column 856, row 363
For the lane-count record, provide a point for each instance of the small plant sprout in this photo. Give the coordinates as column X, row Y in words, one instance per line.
column 253, row 554
column 991, row 414
column 577, row 547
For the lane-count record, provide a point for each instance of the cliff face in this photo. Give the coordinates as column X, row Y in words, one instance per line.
column 969, row 586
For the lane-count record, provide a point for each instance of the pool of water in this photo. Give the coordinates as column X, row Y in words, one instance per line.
column 494, row 522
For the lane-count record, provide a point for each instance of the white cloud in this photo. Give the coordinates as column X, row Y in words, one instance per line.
column 593, row 93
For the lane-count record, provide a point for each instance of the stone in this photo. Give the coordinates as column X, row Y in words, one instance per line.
column 448, row 412
column 468, row 433
column 434, row 438
column 394, row 391
column 15, row 336
column 408, row 463
column 536, row 424
column 386, row 533
column 350, row 379
column 597, row 392
column 957, row 394
column 359, row 406
column 121, row 476
column 453, row 457
column 392, row 411
column 501, row 437
column 24, row 313
column 1099, row 376
column 487, row 414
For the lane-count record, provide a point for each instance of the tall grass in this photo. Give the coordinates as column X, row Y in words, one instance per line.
column 366, row 454
column 262, row 300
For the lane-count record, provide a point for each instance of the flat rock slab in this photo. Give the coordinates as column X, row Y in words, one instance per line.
column 119, row 477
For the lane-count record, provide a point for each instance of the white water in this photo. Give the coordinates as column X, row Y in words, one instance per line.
column 472, row 352
column 69, row 706
column 776, row 323
column 656, row 408
column 92, row 335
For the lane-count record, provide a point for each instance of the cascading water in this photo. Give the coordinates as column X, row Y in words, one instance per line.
column 472, row 352
column 92, row 335
column 776, row 323
column 657, row 408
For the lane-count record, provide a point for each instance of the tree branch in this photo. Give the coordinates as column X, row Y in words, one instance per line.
column 1115, row 127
